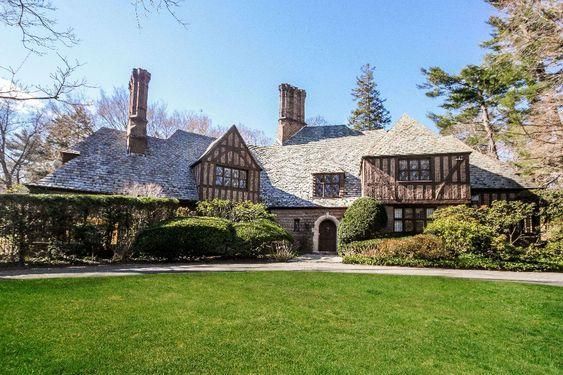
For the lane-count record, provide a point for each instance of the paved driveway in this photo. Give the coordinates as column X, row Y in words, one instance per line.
column 304, row 263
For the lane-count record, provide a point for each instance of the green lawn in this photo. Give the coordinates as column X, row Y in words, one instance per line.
column 279, row 322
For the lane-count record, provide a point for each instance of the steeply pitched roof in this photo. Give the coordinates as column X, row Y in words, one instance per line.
column 216, row 142
column 287, row 177
column 104, row 165
column 489, row 173
column 316, row 133
column 409, row 137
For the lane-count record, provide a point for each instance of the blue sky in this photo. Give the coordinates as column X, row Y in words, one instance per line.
column 230, row 59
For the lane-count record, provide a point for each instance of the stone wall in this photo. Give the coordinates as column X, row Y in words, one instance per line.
column 307, row 217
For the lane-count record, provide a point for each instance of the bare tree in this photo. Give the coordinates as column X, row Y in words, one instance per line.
column 61, row 84
column 147, row 6
column 112, row 110
column 20, row 141
column 317, row 121
column 37, row 23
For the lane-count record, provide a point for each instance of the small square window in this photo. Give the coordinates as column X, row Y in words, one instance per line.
column 419, row 213
column 429, row 212
column 398, row 226
column 424, row 163
column 398, row 213
column 327, row 185
column 408, row 213
column 419, row 226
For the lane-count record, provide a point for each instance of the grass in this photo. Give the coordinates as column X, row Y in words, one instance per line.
column 276, row 322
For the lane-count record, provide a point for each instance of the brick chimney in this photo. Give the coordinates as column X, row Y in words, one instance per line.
column 292, row 112
column 137, row 125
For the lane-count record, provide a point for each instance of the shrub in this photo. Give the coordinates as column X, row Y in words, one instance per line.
column 506, row 218
column 258, row 237
column 421, row 246
column 76, row 224
column 460, row 229
column 186, row 237
column 359, row 247
column 235, row 211
column 362, row 220
column 282, row 251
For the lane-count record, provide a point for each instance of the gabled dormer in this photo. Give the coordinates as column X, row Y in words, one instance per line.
column 228, row 170
column 411, row 164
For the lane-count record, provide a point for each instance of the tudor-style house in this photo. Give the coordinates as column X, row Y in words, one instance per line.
column 308, row 178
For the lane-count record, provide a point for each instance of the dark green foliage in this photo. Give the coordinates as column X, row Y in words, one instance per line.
column 235, row 211
column 482, row 96
column 52, row 225
column 257, row 237
column 465, row 261
column 370, row 113
column 186, row 237
column 362, row 220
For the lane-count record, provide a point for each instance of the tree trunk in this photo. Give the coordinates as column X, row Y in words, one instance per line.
column 492, row 145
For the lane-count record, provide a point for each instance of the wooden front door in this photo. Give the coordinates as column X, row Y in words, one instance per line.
column 327, row 236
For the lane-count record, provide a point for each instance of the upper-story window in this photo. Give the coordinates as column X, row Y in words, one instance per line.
column 328, row 185
column 231, row 177
column 414, row 169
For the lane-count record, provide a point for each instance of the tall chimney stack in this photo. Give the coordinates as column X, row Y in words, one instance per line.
column 292, row 112
column 137, row 124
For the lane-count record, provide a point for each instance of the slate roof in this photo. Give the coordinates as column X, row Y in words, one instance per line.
column 287, row 177
column 286, row 180
column 316, row 133
column 104, row 166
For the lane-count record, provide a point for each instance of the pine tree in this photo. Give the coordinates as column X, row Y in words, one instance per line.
column 481, row 103
column 370, row 113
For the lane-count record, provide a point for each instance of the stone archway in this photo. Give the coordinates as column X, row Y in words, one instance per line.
column 317, row 227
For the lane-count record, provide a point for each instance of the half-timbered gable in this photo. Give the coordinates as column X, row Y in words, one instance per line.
column 438, row 178
column 228, row 170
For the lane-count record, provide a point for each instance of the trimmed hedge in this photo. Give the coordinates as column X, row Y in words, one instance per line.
column 186, row 237
column 48, row 226
column 235, row 211
column 464, row 261
column 209, row 236
column 362, row 220
column 256, row 237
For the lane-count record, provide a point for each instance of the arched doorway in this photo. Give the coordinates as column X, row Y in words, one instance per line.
column 327, row 236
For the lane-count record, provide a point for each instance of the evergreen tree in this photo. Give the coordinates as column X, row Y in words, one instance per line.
column 370, row 113
column 481, row 103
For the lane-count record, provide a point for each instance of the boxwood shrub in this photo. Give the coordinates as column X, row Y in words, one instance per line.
column 256, row 237
column 362, row 220
column 186, row 237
